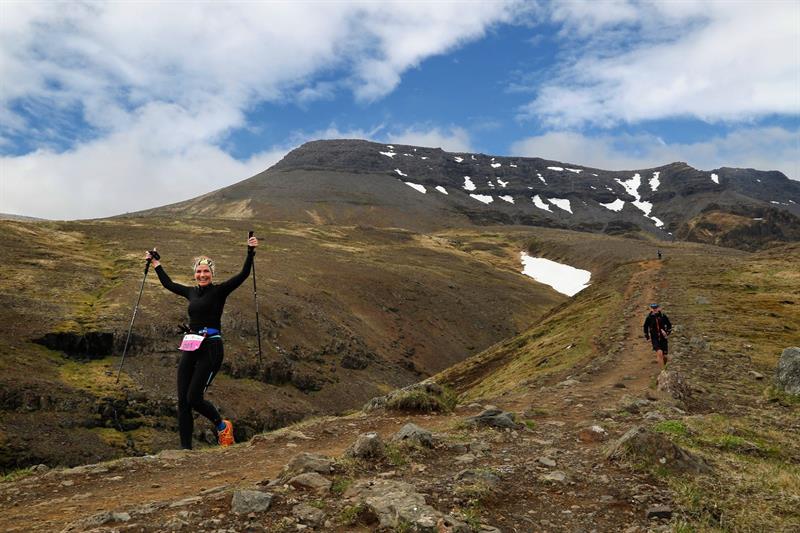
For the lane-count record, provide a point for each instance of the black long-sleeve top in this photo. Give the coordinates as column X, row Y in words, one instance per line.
column 206, row 303
column 655, row 323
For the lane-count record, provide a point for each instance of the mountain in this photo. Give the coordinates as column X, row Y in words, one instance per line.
column 359, row 182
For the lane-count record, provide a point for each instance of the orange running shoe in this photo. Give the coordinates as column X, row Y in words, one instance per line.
column 225, row 437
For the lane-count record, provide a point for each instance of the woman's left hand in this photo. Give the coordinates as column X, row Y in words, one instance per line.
column 252, row 242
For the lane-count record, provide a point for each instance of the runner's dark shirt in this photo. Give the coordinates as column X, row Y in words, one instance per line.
column 206, row 303
column 655, row 323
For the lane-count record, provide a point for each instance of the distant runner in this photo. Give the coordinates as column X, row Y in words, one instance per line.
column 657, row 328
column 202, row 347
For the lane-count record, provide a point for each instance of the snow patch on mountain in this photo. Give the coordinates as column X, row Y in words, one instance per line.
column 485, row 198
column 655, row 181
column 468, row 185
column 616, row 205
column 416, row 186
column 441, row 189
column 507, row 198
column 401, row 172
column 561, row 203
column 563, row 278
column 540, row 204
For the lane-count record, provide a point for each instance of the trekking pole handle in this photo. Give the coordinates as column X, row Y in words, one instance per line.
column 249, row 236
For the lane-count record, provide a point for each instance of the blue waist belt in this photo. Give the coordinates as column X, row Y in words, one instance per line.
column 210, row 332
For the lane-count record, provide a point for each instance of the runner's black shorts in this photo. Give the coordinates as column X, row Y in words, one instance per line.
column 660, row 344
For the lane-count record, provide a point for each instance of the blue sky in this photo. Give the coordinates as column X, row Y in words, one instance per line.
column 114, row 107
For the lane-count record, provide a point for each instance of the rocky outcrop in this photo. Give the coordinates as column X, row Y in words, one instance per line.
column 642, row 445
column 394, row 503
column 787, row 374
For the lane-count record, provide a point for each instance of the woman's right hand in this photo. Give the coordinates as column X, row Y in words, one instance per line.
column 152, row 260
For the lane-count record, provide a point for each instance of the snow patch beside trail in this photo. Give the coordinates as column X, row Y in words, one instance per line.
column 540, row 204
column 468, row 185
column 558, row 169
column 508, row 199
column 389, row 154
column 655, row 182
column 563, row 278
column 417, row 186
column 400, row 172
column 715, row 178
column 616, row 205
column 441, row 189
column 485, row 198
column 561, row 203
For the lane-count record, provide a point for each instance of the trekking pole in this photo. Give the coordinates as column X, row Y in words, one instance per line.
column 154, row 255
column 255, row 297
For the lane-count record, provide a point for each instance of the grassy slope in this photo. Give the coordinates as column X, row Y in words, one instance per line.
column 746, row 429
column 324, row 292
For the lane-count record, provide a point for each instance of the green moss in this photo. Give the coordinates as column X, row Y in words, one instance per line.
column 340, row 485
column 15, row 475
column 672, row 427
column 351, row 514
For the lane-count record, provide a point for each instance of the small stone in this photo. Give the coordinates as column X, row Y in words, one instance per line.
column 546, row 461
column 120, row 517
column 465, row 459
column 592, row 434
column 756, row 375
column 659, row 511
column 556, row 476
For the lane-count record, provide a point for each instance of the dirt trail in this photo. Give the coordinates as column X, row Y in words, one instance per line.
column 606, row 494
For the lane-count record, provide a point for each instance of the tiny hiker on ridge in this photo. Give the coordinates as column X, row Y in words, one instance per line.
column 201, row 348
column 657, row 328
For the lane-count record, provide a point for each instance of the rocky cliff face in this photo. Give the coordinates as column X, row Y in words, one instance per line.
column 353, row 181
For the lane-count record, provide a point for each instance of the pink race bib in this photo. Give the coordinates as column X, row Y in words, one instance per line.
column 191, row 342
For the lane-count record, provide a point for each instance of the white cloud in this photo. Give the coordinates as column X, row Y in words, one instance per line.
column 453, row 140
column 768, row 148
column 728, row 61
column 160, row 85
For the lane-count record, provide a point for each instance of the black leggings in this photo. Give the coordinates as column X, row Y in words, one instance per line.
column 196, row 371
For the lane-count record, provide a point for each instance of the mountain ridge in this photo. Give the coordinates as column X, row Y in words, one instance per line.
column 331, row 181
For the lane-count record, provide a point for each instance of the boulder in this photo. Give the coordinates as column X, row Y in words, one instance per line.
column 414, row 434
column 787, row 374
column 250, row 501
column 674, row 384
column 493, row 417
column 307, row 514
column 395, row 502
column 366, row 446
column 307, row 462
column 655, row 449
column 311, row 481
